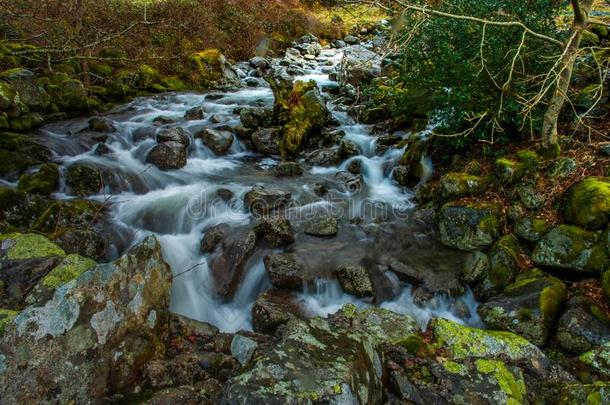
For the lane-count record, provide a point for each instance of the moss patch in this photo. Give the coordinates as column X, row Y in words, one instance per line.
column 6, row 316
column 588, row 203
column 70, row 269
column 28, row 246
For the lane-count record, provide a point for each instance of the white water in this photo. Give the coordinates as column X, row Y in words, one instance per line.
column 177, row 206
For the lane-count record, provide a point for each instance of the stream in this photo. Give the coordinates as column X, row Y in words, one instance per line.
column 179, row 206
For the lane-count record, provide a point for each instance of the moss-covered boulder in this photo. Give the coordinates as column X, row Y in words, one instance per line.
column 457, row 185
column 84, row 180
column 45, row 181
column 597, row 360
column 512, row 169
column 93, row 336
column 468, row 227
column 583, row 326
column 326, row 361
column 69, row 95
column 588, row 203
column 531, row 229
column 9, row 99
column 528, row 307
column 26, row 122
column 19, row 152
column 572, row 248
column 503, row 267
column 30, row 92
column 168, row 156
column 597, row 393
column 210, row 67
column 146, row 77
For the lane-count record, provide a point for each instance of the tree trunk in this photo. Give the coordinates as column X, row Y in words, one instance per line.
column 550, row 136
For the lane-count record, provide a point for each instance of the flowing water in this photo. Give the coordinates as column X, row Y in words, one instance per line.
column 179, row 206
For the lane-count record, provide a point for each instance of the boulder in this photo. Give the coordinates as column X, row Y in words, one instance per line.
column 577, row 393
column 355, row 280
column 413, row 169
column 218, row 141
column 457, row 185
column 324, row 157
column 175, row 134
column 228, row 266
column 195, row 113
column 530, row 198
column 503, row 267
column 212, row 238
column 210, row 67
column 531, row 229
column 266, row 141
column 588, row 203
column 359, row 65
column 322, row 226
column 90, row 340
column 528, row 307
column 9, row 98
column 469, row 227
column 25, row 84
column 277, row 231
column 242, row 348
column 351, row 182
column 285, row 271
column 18, row 152
column 273, row 309
column 45, row 181
column 84, row 180
column 99, row 124
column 288, row 169
column 168, row 156
column 583, row 326
column 572, row 248
column 476, row 266
column 163, row 120
column 256, row 117
column 596, row 360
column 342, row 358
column 264, row 200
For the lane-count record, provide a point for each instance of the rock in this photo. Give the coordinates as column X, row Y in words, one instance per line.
column 571, row 248
column 324, row 157
column 351, row 40
column 25, row 259
column 206, row 392
column 266, row 141
column 503, row 260
column 273, row 309
column 510, row 170
column 457, row 185
column 352, row 373
column 529, row 197
column 256, row 117
column 564, row 168
column 195, row 113
column 576, row 393
column 531, row 229
column 168, row 156
column 101, row 149
column 6, row 317
column 228, row 267
column 288, row 169
column 528, row 307
column 355, row 167
column 355, row 280
column 322, row 226
column 98, row 124
column 45, row 181
column 25, row 83
column 277, row 231
column 588, row 203
column 285, row 271
column 261, row 200
column 212, row 238
column 413, row 168
column 258, row 62
column 210, row 67
column 84, row 180
column 176, row 134
column 583, row 326
column 225, row 194
column 9, row 99
column 218, row 141
column 314, row 49
column 163, row 120
column 93, row 336
column 242, row 348
column 348, row 148
column 467, row 227
column 597, row 360
column 351, row 182
column 606, row 284
column 359, row 65
column 68, row 94
column 476, row 267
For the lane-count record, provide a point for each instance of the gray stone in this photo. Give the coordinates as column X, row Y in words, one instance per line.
column 242, row 348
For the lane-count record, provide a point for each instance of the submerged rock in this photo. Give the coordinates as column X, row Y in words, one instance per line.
column 467, row 227
column 93, row 336
column 528, row 307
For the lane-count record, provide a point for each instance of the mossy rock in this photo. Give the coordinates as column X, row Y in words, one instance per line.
column 9, row 98
column 468, row 227
column 84, row 180
column 572, row 248
column 526, row 164
column 583, row 326
column 597, row 360
column 19, row 152
column 457, row 185
column 606, row 285
column 531, row 229
column 210, row 67
column 19, row 246
column 19, row 210
column 68, row 94
column 26, row 122
column 45, row 181
column 412, row 169
column 597, row 393
column 527, row 307
column 588, row 203
column 503, row 260
column 6, row 316
column 173, row 83
column 26, row 84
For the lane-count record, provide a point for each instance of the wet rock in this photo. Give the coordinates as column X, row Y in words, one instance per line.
column 355, row 280
column 84, row 180
column 266, row 141
column 350, row 181
column 277, row 231
column 258, row 62
column 163, row 120
column 176, row 134
column 93, row 336
column 412, row 169
column 355, row 167
column 25, row 83
column 242, row 348
column 531, row 229
column 210, row 68
column 528, row 307
column 288, row 169
column 218, row 141
column 571, row 248
column 18, row 152
column 322, row 226
column 320, row 189
column 588, row 203
column 503, row 260
column 476, row 267
column 101, row 149
column 583, row 326
column 314, row 49
column 324, row 157
column 195, row 113
column 212, row 238
column 45, row 181
column 228, row 266
column 352, row 373
column 348, row 148
column 273, row 309
column 576, row 393
column 351, row 40
column 467, row 227
column 98, row 124
column 359, row 65
column 457, row 185
column 285, row 271
column 168, row 156
column 264, row 200
column 225, row 194
column 256, row 117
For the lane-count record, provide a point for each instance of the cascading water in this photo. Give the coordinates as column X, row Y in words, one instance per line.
column 178, row 206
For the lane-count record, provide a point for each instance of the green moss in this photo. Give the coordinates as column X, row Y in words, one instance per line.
column 45, row 181
column 513, row 386
column 18, row 152
column 588, row 203
column 173, row 83
column 26, row 122
column 606, row 284
column 529, row 160
column 455, row 368
column 30, row 245
column 145, row 77
column 6, row 316
column 412, row 344
column 207, row 67
column 71, row 268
